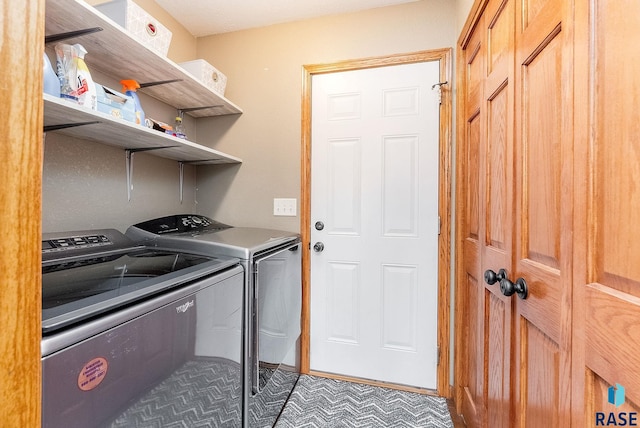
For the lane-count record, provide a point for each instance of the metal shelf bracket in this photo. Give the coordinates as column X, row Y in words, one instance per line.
column 181, row 165
column 182, row 111
column 71, row 34
column 129, row 165
column 49, row 128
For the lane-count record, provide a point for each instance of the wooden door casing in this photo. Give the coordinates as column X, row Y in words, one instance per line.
column 21, row 207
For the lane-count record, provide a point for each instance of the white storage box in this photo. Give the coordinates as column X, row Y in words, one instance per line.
column 139, row 23
column 207, row 74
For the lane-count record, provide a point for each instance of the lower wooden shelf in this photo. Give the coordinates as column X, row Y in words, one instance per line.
column 112, row 131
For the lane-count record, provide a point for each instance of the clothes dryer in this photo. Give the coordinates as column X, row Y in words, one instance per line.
column 273, row 298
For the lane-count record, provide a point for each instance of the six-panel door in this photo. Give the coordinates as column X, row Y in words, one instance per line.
column 515, row 186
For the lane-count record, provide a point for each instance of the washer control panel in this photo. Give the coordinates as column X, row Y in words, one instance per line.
column 75, row 243
column 57, row 245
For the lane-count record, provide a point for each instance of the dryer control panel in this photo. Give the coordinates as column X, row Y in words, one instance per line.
column 181, row 223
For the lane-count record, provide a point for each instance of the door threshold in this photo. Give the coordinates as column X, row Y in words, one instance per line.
column 372, row 382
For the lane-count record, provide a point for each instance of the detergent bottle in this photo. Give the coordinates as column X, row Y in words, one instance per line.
column 51, row 81
column 130, row 87
column 86, row 92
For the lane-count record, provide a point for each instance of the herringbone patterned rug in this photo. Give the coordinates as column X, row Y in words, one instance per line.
column 327, row 403
column 206, row 393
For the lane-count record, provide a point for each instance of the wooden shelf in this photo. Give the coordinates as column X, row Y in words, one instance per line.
column 127, row 135
column 115, row 52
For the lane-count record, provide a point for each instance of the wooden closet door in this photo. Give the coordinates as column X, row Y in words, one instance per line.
column 496, row 244
column 469, row 322
column 607, row 273
column 543, row 213
column 517, row 174
column 488, row 231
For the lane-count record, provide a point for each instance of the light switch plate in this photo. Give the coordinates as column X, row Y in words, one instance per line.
column 285, row 207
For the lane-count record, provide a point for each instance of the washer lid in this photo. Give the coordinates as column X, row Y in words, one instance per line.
column 78, row 288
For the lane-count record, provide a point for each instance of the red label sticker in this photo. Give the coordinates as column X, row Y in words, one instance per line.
column 92, row 374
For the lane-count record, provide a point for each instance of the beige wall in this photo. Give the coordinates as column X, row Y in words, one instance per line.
column 264, row 68
column 463, row 8
column 85, row 185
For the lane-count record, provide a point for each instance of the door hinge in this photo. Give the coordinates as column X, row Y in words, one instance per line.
column 438, row 356
column 439, row 225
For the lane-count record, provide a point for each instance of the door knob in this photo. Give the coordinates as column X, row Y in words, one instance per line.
column 490, row 277
column 318, row 247
column 319, row 225
column 509, row 288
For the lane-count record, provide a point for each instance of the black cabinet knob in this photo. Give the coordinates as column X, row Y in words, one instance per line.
column 509, row 288
column 490, row 277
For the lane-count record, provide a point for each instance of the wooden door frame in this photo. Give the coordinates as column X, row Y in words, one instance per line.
column 21, row 206
column 444, row 200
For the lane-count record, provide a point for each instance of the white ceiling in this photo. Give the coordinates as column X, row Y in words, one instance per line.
column 206, row 17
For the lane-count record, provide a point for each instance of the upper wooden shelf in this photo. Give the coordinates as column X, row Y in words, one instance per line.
column 115, row 52
column 120, row 133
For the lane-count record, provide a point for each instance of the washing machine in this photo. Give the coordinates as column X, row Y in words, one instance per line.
column 139, row 336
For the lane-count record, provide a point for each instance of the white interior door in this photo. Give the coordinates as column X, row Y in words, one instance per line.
column 375, row 189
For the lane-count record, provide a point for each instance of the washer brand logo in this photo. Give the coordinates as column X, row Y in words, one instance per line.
column 185, row 307
column 615, row 396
